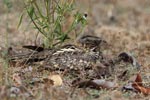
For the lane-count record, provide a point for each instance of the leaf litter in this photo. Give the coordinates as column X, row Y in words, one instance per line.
column 88, row 69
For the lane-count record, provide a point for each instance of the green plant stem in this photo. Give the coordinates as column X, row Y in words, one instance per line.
column 51, row 23
column 47, row 6
column 37, row 7
column 36, row 24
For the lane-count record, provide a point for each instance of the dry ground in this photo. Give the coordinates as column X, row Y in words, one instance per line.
column 124, row 24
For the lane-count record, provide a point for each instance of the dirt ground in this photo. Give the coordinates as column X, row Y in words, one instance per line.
column 124, row 24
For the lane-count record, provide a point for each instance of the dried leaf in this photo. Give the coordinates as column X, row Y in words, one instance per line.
column 138, row 80
column 141, row 89
column 15, row 90
column 85, row 84
column 105, row 84
column 17, row 79
column 96, row 84
column 34, row 48
column 127, row 57
column 137, row 84
column 129, row 87
column 57, row 80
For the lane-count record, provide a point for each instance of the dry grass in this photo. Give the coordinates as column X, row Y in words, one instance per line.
column 128, row 32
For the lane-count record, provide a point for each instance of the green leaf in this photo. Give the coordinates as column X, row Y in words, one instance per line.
column 63, row 37
column 31, row 11
column 8, row 3
column 58, row 27
column 20, row 20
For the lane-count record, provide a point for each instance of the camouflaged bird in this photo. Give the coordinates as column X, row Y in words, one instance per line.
column 68, row 57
